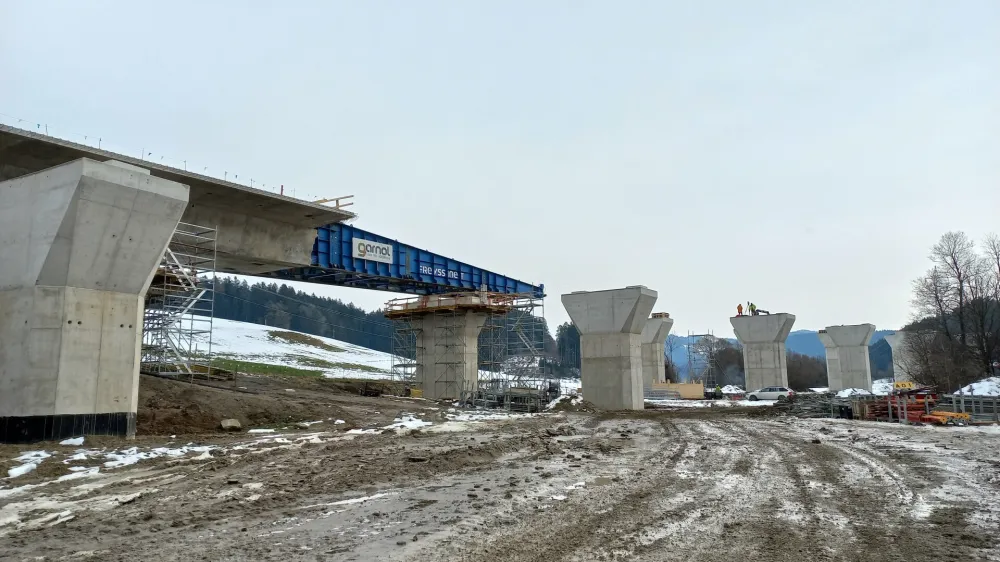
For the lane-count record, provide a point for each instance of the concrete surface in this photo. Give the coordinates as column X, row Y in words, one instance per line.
column 79, row 244
column 610, row 324
column 763, row 337
column 654, row 338
column 897, row 342
column 448, row 353
column 847, row 362
column 258, row 231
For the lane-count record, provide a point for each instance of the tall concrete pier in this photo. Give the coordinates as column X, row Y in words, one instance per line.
column 610, row 324
column 654, row 338
column 763, row 337
column 446, row 329
column 900, row 359
column 847, row 363
column 79, row 244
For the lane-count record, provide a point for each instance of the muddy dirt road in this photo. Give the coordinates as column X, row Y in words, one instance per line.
column 692, row 486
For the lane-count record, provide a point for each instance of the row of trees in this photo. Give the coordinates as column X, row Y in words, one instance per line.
column 284, row 307
column 955, row 336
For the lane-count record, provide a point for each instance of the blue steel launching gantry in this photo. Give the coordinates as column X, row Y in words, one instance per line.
column 351, row 257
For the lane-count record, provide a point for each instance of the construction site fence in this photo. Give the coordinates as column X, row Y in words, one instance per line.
column 982, row 409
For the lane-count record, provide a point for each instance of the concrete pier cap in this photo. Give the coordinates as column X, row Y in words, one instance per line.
column 610, row 323
column 654, row 339
column 763, row 337
column 847, row 363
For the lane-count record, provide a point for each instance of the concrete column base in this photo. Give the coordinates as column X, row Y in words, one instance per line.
column 447, row 366
column 612, row 379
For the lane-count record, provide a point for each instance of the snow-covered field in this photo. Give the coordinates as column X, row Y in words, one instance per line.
column 241, row 341
column 985, row 387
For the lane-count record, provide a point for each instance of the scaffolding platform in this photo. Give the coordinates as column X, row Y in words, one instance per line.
column 509, row 348
column 180, row 305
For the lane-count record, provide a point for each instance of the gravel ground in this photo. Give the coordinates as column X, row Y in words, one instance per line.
column 663, row 486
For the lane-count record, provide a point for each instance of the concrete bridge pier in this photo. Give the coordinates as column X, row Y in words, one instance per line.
column 610, row 324
column 448, row 353
column 763, row 337
column 654, row 338
column 847, row 363
column 900, row 356
column 79, row 244
column 446, row 329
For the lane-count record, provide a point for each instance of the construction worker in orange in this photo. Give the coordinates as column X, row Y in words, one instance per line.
column 739, row 309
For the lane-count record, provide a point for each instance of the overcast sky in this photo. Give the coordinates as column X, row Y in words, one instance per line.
column 804, row 155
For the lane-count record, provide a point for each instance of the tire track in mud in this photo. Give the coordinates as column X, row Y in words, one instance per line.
column 669, row 516
column 753, row 516
column 877, row 493
column 570, row 531
column 897, row 531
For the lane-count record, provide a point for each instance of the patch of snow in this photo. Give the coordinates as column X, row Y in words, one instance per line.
column 364, row 431
column 881, row 387
column 407, row 421
column 732, row 389
column 576, row 486
column 570, row 386
column 555, row 401
column 481, row 415
column 21, row 470
column 242, row 341
column 133, row 455
column 33, row 456
column 79, row 472
column 30, row 461
column 80, row 456
column 76, row 441
column 848, row 392
column 985, row 387
column 338, row 422
column 559, row 497
column 261, row 431
column 820, row 390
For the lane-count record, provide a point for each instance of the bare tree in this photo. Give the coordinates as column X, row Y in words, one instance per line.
column 956, row 335
column 670, row 368
column 955, row 256
column 931, row 358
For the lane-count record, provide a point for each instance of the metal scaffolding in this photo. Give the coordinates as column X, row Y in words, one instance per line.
column 510, row 348
column 180, row 305
column 702, row 355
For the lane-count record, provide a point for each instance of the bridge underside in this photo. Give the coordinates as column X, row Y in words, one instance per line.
column 259, row 231
column 270, row 235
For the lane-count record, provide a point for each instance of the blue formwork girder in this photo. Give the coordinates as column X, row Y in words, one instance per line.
column 349, row 256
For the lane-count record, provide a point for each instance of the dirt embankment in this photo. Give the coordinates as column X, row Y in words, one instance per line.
column 177, row 407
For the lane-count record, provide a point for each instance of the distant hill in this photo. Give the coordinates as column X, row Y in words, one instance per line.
column 805, row 342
